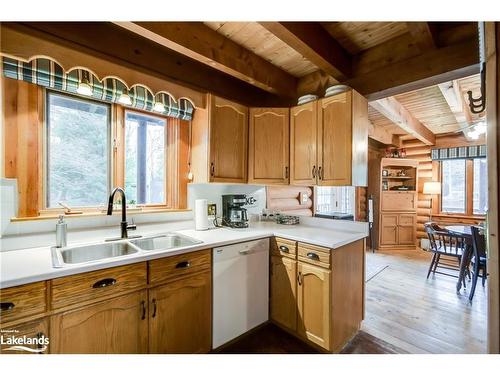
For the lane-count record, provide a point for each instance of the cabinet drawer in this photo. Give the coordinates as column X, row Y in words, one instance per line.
column 399, row 201
column 312, row 254
column 178, row 266
column 97, row 284
column 22, row 301
column 283, row 247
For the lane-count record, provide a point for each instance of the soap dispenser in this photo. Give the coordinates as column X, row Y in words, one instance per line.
column 61, row 232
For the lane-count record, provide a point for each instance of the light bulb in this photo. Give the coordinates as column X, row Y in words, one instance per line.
column 159, row 107
column 125, row 99
column 473, row 134
column 481, row 127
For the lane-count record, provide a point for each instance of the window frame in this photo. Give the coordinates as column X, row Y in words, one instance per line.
column 166, row 155
column 469, row 193
column 45, row 147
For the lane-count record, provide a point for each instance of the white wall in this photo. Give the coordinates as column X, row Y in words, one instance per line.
column 213, row 193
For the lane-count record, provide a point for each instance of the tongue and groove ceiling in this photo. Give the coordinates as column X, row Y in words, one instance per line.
column 272, row 63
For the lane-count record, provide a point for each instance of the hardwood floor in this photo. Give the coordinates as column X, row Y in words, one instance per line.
column 418, row 315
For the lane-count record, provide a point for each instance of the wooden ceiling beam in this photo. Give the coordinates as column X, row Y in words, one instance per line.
column 423, row 34
column 114, row 43
column 313, row 42
column 399, row 115
column 199, row 42
column 427, row 69
column 380, row 134
column 453, row 96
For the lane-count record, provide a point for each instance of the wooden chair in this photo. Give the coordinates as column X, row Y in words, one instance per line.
column 478, row 259
column 444, row 243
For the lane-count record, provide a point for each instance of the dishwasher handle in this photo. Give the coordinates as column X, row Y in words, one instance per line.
column 245, row 252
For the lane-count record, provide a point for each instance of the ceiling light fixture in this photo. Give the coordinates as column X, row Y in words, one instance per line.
column 159, row 107
column 125, row 98
column 473, row 134
column 480, row 128
column 84, row 87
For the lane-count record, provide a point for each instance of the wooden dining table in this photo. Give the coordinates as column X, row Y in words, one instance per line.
column 465, row 232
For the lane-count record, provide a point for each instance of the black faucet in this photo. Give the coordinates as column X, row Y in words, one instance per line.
column 123, row 225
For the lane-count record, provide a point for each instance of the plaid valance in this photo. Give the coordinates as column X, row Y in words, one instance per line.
column 48, row 73
column 463, row 152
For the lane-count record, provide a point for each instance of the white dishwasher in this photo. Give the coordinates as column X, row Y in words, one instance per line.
column 240, row 289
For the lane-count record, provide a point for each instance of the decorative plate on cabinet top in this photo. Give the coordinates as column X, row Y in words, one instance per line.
column 336, row 89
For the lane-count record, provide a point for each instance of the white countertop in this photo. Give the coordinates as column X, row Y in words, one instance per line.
column 24, row 266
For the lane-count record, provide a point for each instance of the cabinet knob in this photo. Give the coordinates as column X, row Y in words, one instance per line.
column 212, row 169
column 185, row 264
column 313, row 256
column 284, row 249
column 314, row 171
column 320, row 173
column 286, row 172
column 154, row 307
column 299, row 278
column 143, row 305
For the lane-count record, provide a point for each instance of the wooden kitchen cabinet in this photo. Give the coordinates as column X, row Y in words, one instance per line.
column 313, row 301
column 180, row 316
column 219, row 142
column 283, row 304
column 33, row 329
column 228, row 141
column 268, row 146
column 329, row 141
column 303, row 144
column 398, row 229
column 116, row 326
column 407, row 224
column 388, row 229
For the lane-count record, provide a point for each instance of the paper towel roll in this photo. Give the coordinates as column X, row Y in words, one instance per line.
column 201, row 214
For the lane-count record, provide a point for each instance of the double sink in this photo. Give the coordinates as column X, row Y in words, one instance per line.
column 91, row 253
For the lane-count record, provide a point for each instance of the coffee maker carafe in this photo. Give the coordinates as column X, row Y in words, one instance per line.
column 234, row 215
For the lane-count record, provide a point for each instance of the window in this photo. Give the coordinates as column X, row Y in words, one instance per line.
column 453, row 186
column 480, row 191
column 145, row 160
column 464, row 186
column 339, row 199
column 77, row 143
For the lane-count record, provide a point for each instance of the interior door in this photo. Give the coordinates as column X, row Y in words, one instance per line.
column 117, row 326
column 180, row 316
column 228, row 141
column 284, row 291
column 314, row 304
column 268, row 152
column 303, row 144
column 335, row 140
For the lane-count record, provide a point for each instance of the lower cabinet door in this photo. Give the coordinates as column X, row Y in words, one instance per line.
column 180, row 318
column 284, row 291
column 314, row 303
column 406, row 229
column 116, row 326
column 37, row 329
column 388, row 229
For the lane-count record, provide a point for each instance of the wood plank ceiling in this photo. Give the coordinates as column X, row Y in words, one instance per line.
column 419, row 66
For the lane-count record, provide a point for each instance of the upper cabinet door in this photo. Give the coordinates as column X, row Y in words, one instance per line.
column 228, row 141
column 268, row 152
column 335, row 140
column 303, row 139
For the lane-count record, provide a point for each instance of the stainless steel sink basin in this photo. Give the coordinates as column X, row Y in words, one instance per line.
column 164, row 242
column 90, row 253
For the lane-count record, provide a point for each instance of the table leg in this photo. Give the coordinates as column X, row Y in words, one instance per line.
column 464, row 262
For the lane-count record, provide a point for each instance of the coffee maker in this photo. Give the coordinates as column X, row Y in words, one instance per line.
column 233, row 213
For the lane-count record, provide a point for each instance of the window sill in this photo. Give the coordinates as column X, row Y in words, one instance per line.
column 97, row 214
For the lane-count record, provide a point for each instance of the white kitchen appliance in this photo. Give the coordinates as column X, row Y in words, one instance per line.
column 240, row 289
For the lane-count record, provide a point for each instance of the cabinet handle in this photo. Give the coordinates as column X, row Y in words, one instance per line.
column 6, row 306
column 212, row 169
column 39, row 344
column 284, row 249
column 185, row 264
column 154, row 307
column 143, row 305
column 320, row 173
column 313, row 256
column 286, row 172
column 104, row 283
column 298, row 278
column 314, row 171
